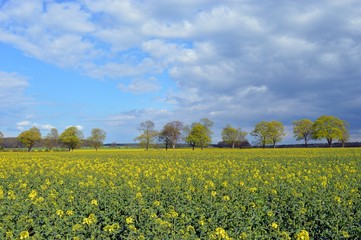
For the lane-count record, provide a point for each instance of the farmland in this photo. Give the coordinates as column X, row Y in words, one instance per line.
column 182, row 194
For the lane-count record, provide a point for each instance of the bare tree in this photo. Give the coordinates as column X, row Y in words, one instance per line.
column 148, row 134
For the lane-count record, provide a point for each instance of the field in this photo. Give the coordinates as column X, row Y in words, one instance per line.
column 182, row 194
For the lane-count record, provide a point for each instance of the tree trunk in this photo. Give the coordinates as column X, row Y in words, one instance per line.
column 305, row 143
column 329, row 141
column 232, row 145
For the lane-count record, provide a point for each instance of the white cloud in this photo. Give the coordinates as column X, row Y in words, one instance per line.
column 24, row 125
column 141, row 86
column 12, row 91
column 79, row 127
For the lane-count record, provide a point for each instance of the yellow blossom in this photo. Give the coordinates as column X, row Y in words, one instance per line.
column 69, row 212
column 94, row 202
column 129, row 220
column 302, row 235
column 226, row 198
column 274, row 225
column 60, row 213
column 24, row 235
column 33, row 194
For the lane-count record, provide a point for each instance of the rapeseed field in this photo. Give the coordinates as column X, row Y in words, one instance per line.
column 181, row 194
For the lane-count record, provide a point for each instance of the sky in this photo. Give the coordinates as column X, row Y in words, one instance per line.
column 113, row 64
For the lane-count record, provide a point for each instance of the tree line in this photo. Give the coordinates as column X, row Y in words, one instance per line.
column 71, row 138
column 198, row 134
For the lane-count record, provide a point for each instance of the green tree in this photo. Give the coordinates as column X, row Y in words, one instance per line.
column 276, row 132
column 52, row 139
column 30, row 137
column 207, row 124
column 147, row 138
column 303, row 130
column 261, row 133
column 233, row 135
column 97, row 138
column 345, row 134
column 71, row 138
column 330, row 128
column 198, row 136
column 171, row 133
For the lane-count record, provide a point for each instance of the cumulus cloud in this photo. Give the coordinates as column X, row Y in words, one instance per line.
column 24, row 125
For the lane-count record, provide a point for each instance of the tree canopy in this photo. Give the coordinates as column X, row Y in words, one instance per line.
column 199, row 134
column 97, row 138
column 330, row 128
column 30, row 137
column 171, row 133
column 233, row 135
column 268, row 132
column 71, row 137
column 303, row 130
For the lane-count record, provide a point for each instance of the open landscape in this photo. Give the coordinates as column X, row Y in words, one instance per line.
column 181, row 194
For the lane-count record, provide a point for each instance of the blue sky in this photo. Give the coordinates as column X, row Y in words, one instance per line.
column 112, row 64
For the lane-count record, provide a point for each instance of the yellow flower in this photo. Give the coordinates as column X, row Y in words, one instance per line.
column 226, row 198
column 33, row 194
column 89, row 220
column 337, row 199
column 138, row 195
column 111, row 228
column 213, row 193
column 60, row 213
column 302, row 235
column 94, row 202
column 173, row 214
column 345, row 234
column 156, row 203
column 274, row 225
column 69, row 212
column 24, row 234
column 132, row 228
column 129, row 220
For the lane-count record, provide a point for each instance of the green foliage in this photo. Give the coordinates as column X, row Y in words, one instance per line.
column 330, row 128
column 233, row 135
column 30, row 137
column 303, row 130
column 97, row 138
column 71, row 137
column 275, row 131
column 268, row 132
column 199, row 135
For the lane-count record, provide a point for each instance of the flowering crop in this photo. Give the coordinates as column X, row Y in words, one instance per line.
column 182, row 194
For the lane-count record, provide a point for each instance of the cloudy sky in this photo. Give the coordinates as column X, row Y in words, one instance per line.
column 112, row 64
